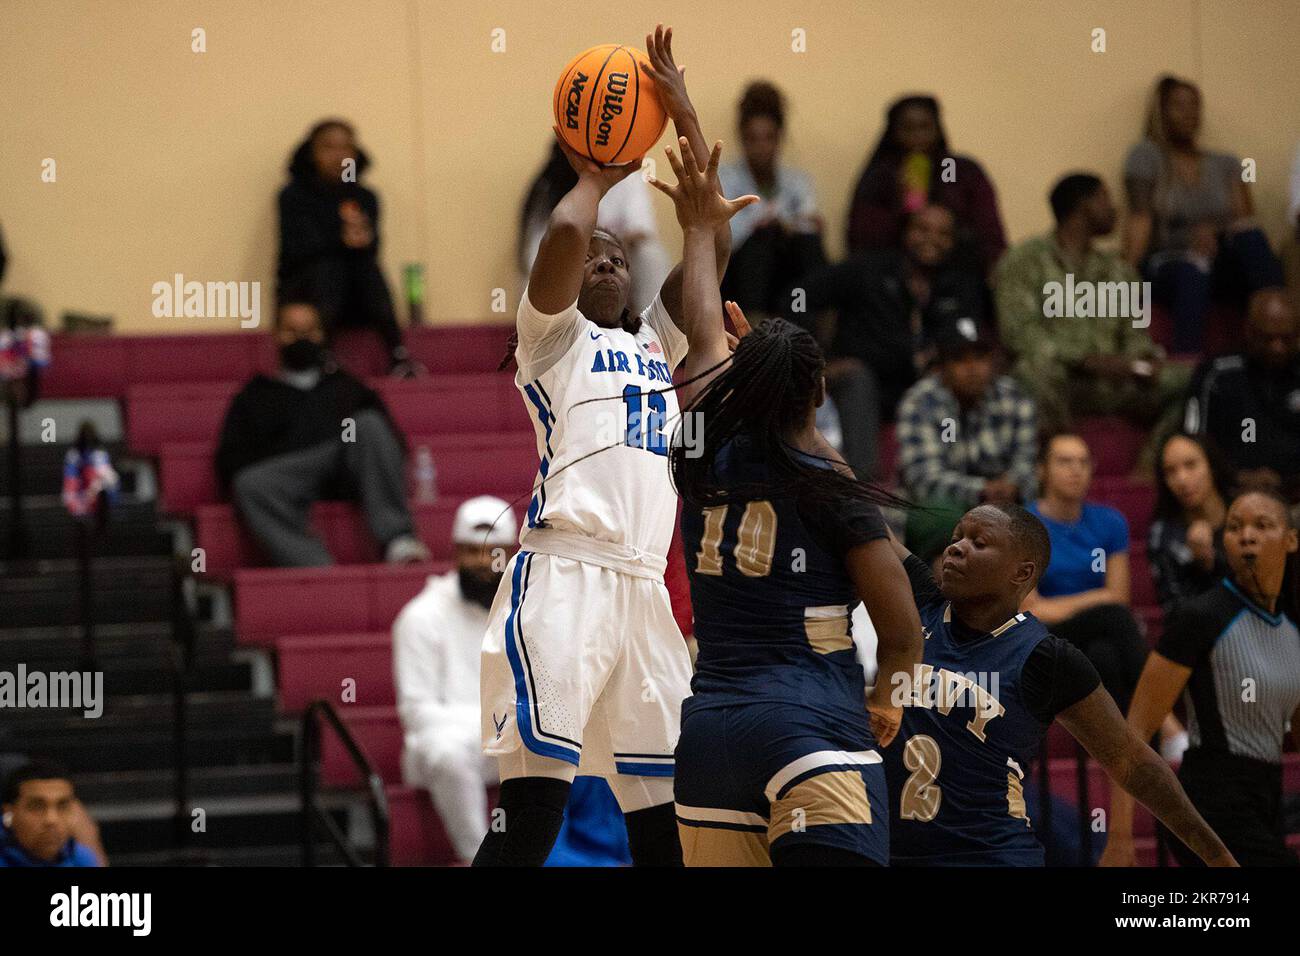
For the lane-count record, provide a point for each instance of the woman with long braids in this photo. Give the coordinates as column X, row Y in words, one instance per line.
column 781, row 543
column 1234, row 654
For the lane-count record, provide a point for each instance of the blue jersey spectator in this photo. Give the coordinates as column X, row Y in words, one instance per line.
column 1084, row 595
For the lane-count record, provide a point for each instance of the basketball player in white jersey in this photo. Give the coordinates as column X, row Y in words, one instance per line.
column 584, row 669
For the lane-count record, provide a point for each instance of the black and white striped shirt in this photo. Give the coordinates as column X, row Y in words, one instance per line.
column 1245, row 681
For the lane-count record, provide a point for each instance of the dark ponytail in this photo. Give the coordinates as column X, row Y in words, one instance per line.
column 765, row 396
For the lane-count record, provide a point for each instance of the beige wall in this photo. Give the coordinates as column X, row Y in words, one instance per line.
column 169, row 161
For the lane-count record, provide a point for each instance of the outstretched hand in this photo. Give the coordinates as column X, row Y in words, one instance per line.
column 697, row 197
column 668, row 77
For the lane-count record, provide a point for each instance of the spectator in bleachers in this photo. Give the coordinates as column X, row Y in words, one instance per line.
column 436, row 643
column 778, row 240
column 965, row 435
column 44, row 824
column 1233, row 654
column 1084, row 595
column 1099, row 365
column 1247, row 405
column 912, row 164
column 329, row 238
column 625, row 211
column 309, row 432
column 1185, row 545
column 884, row 306
column 1191, row 226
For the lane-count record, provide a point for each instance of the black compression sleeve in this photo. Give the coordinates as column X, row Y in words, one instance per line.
column 1056, row 676
column 924, row 589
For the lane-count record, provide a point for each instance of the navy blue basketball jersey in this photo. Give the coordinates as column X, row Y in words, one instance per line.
column 772, row 598
column 957, row 767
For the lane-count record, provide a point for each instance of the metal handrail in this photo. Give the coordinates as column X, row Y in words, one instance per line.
column 309, row 786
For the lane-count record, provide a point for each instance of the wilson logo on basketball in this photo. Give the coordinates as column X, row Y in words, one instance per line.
column 574, row 101
column 612, row 106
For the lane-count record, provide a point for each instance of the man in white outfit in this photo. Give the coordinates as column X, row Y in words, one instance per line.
column 437, row 639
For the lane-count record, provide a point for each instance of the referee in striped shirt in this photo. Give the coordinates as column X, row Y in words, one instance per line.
column 1234, row 654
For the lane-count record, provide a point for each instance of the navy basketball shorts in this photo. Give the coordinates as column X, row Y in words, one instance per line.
column 754, row 777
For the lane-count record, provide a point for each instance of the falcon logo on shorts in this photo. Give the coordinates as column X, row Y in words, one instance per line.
column 499, row 724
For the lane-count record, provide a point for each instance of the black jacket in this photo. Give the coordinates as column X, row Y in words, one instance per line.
column 873, row 306
column 310, row 225
column 270, row 417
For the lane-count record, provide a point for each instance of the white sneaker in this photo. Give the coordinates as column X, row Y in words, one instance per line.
column 406, row 549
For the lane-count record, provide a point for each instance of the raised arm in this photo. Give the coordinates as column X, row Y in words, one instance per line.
column 700, row 209
column 1096, row 723
column 670, row 81
column 556, row 278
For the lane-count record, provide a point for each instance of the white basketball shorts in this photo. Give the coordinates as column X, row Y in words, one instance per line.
column 583, row 664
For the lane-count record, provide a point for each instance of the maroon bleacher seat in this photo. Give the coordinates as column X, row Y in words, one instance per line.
column 445, row 349
column 501, row 463
column 271, row 603
column 227, row 545
column 1136, row 500
column 1114, row 444
column 107, row 365
column 379, row 735
column 316, row 665
column 177, row 412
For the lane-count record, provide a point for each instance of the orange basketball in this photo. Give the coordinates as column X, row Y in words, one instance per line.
column 606, row 105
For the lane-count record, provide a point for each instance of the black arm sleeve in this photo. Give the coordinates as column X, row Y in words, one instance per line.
column 843, row 524
column 925, row 591
column 1056, row 676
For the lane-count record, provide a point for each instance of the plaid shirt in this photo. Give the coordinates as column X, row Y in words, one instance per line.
column 999, row 436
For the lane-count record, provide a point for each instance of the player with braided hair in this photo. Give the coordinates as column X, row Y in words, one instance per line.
column 781, row 543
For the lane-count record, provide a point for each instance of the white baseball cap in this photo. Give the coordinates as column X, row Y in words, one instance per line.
column 476, row 516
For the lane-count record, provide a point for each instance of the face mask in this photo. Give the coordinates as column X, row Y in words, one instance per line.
column 301, row 355
column 478, row 588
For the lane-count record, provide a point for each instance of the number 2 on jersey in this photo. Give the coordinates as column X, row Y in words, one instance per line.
column 921, row 795
column 646, row 430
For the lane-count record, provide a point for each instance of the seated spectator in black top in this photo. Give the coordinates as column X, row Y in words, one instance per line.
column 329, row 238
column 1247, row 405
column 44, row 823
column 312, row 432
column 912, row 165
column 1185, row 544
column 777, row 241
column 878, row 312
